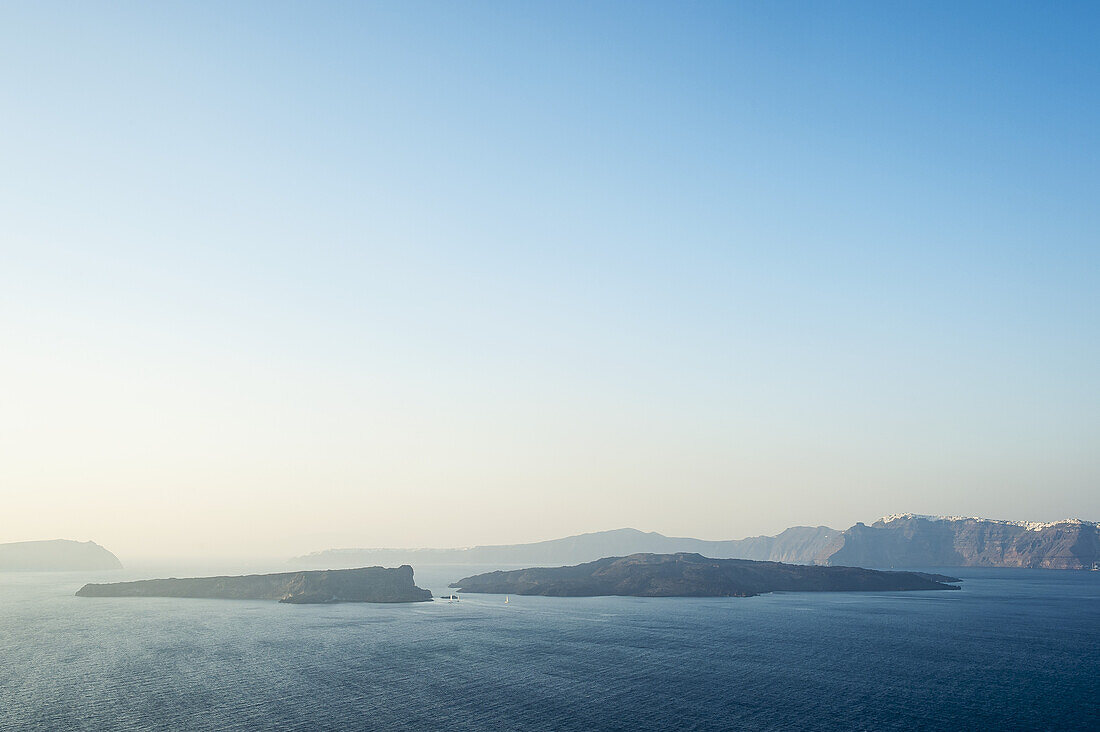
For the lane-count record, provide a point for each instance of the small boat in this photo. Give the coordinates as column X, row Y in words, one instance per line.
column 505, row 599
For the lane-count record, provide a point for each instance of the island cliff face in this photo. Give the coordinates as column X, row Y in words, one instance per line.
column 367, row 584
column 909, row 540
column 56, row 555
column 692, row 575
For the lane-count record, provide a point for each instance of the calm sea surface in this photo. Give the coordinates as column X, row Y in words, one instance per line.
column 1015, row 649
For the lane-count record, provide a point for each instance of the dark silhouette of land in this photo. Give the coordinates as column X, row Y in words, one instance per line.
column 692, row 575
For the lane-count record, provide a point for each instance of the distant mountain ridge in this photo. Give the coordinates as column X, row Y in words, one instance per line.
column 789, row 546
column 899, row 540
column 55, row 555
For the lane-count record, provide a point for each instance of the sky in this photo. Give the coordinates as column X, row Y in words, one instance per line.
column 278, row 277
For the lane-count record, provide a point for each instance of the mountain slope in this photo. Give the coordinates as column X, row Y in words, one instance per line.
column 796, row 545
column 902, row 540
column 56, row 555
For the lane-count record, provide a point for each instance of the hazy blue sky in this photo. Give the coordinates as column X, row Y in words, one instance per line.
column 283, row 276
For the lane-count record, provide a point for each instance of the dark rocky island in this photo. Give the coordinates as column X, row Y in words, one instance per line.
column 56, row 555
column 367, row 584
column 693, row 575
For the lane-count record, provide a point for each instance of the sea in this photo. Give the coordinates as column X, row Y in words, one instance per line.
column 1012, row 650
